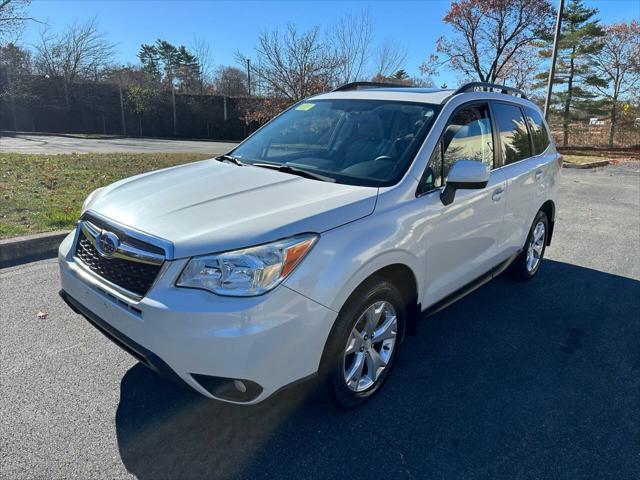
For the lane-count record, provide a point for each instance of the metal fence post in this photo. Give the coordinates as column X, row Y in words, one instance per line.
column 124, row 124
column 175, row 119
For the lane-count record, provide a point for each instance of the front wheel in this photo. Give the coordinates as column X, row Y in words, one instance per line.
column 528, row 262
column 364, row 343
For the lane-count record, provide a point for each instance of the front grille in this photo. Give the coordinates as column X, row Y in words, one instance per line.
column 133, row 276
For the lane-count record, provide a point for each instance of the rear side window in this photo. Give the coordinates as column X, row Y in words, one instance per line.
column 514, row 136
column 539, row 133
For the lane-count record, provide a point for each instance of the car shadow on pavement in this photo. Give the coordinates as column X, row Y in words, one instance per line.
column 531, row 380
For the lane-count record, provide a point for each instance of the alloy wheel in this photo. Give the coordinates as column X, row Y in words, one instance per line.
column 370, row 346
column 536, row 247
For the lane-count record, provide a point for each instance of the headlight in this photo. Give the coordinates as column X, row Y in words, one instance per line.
column 90, row 197
column 247, row 272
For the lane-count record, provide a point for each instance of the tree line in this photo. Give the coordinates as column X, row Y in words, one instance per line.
column 501, row 41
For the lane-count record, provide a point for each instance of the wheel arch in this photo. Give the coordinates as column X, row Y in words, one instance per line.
column 404, row 278
column 549, row 207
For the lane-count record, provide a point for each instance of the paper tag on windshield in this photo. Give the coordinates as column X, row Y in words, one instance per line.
column 305, row 106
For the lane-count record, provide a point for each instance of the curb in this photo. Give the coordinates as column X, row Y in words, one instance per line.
column 583, row 166
column 29, row 248
column 79, row 136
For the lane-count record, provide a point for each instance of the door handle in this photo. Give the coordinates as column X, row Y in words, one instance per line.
column 497, row 194
column 538, row 175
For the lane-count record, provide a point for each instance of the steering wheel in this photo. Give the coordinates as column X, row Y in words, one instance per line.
column 383, row 157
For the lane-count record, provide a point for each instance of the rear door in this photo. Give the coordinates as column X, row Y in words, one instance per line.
column 524, row 166
column 462, row 238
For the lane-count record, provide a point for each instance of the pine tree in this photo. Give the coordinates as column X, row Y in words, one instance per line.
column 173, row 66
column 579, row 39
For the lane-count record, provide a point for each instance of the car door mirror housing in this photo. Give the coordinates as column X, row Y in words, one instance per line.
column 465, row 174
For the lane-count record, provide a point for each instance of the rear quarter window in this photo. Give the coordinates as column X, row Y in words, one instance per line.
column 539, row 132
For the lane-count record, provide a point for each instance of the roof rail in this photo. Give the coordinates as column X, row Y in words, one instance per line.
column 485, row 86
column 358, row 85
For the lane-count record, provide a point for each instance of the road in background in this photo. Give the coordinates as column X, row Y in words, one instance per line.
column 48, row 144
column 517, row 380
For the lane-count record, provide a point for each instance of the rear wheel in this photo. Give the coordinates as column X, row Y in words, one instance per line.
column 364, row 343
column 528, row 262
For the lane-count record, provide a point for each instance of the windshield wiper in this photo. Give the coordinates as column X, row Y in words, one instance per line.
column 284, row 168
column 230, row 158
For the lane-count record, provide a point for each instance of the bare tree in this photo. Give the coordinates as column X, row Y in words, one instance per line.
column 201, row 48
column 80, row 52
column 13, row 15
column 231, row 81
column 421, row 82
column 617, row 67
column 521, row 69
column 388, row 58
column 351, row 41
column 488, row 34
column 293, row 65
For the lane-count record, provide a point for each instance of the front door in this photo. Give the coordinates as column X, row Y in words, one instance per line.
column 462, row 239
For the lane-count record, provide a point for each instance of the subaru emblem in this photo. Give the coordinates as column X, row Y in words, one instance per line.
column 107, row 244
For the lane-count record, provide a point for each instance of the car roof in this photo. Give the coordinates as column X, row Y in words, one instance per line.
column 407, row 94
column 429, row 95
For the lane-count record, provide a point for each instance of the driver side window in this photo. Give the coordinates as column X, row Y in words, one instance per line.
column 468, row 136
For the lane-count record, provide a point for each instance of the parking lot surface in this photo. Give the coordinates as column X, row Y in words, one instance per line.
column 529, row 380
column 47, row 144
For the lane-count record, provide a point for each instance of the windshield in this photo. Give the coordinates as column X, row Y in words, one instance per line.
column 357, row 142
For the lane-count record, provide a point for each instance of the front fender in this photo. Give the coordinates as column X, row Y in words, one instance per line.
column 345, row 257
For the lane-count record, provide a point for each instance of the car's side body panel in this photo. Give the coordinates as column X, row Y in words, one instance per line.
column 346, row 256
column 464, row 238
column 445, row 247
column 530, row 184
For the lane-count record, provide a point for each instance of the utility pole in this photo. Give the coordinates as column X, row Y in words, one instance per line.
column 249, row 76
column 552, row 70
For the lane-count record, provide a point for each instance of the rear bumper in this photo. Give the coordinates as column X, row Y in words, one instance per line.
column 202, row 340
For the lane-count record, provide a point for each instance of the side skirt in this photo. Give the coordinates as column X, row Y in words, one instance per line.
column 470, row 287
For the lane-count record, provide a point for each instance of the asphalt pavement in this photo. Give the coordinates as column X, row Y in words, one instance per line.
column 537, row 380
column 48, row 144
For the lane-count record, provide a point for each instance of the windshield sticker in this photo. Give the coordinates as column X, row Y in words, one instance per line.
column 305, row 106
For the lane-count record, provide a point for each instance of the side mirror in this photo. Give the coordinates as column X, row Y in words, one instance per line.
column 465, row 174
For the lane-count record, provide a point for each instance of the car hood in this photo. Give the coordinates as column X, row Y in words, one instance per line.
column 208, row 206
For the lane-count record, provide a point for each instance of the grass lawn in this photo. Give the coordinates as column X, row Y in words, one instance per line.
column 582, row 159
column 40, row 193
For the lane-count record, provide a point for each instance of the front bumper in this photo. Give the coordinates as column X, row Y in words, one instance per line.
column 267, row 342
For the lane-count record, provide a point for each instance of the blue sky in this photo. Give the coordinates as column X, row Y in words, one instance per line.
column 234, row 26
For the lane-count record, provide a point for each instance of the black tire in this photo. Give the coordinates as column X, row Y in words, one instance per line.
column 519, row 269
column 332, row 367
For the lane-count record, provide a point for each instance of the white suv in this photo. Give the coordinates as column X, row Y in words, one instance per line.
column 311, row 248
